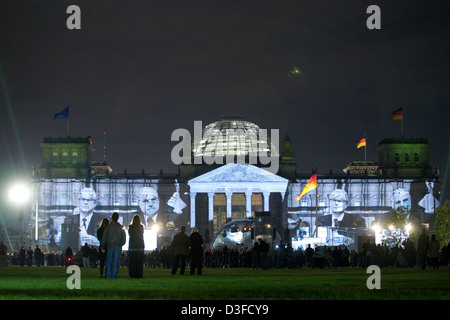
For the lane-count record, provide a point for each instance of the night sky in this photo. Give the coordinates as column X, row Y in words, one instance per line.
column 141, row 69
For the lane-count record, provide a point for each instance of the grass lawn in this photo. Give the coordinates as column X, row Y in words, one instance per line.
column 227, row 284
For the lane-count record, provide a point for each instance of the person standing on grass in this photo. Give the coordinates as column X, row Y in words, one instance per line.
column 256, row 256
column 422, row 249
column 181, row 245
column 102, row 249
column 85, row 251
column 114, row 238
column 264, row 249
column 29, row 256
column 433, row 252
column 196, row 251
column 3, row 253
column 136, row 248
column 37, row 255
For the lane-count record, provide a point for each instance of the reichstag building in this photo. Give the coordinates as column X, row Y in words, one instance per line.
column 233, row 203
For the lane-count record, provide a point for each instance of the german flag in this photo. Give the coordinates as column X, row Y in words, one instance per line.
column 312, row 184
column 397, row 114
column 361, row 143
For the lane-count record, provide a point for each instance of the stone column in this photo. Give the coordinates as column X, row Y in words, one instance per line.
column 210, row 216
column 229, row 195
column 210, row 206
column 248, row 204
column 192, row 197
column 266, row 196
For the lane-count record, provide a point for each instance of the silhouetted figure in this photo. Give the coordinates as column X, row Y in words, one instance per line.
column 29, row 256
column 196, row 251
column 181, row 244
column 37, row 256
column 433, row 252
column 136, row 248
column 422, row 249
column 102, row 249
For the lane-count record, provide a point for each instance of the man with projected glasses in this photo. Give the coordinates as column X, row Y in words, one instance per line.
column 85, row 216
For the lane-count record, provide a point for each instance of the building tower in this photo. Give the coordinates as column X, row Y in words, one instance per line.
column 66, row 158
column 404, row 158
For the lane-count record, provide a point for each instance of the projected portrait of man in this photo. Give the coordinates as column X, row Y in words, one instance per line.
column 339, row 222
column 401, row 202
column 401, row 199
column 338, row 203
column 148, row 202
column 85, row 216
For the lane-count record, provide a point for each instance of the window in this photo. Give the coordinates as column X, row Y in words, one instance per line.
column 65, row 156
column 416, row 157
column 55, row 156
column 397, row 157
column 75, row 156
column 406, row 157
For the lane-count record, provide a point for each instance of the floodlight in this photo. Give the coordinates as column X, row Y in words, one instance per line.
column 19, row 194
column 408, row 227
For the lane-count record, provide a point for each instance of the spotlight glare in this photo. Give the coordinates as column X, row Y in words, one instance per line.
column 19, row 194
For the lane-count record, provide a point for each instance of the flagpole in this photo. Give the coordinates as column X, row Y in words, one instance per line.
column 402, row 126
column 317, row 190
column 68, row 117
column 365, row 148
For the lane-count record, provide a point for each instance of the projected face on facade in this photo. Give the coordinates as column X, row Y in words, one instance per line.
column 88, row 220
column 87, row 200
column 338, row 201
column 401, row 199
column 148, row 201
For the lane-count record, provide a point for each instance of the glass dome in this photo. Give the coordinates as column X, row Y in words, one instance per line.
column 233, row 136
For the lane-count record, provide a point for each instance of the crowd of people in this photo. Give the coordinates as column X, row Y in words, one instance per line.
column 189, row 252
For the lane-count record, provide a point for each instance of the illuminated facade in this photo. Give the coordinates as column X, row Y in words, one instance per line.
column 74, row 193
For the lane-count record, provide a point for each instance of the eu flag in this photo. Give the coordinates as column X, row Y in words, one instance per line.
column 62, row 115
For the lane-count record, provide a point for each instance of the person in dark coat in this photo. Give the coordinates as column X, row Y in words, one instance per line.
column 136, row 248
column 256, row 256
column 3, row 252
column 102, row 249
column 37, row 255
column 29, row 256
column 196, row 251
column 181, row 245
column 423, row 245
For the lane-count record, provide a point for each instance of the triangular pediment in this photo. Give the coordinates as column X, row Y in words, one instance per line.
column 235, row 172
